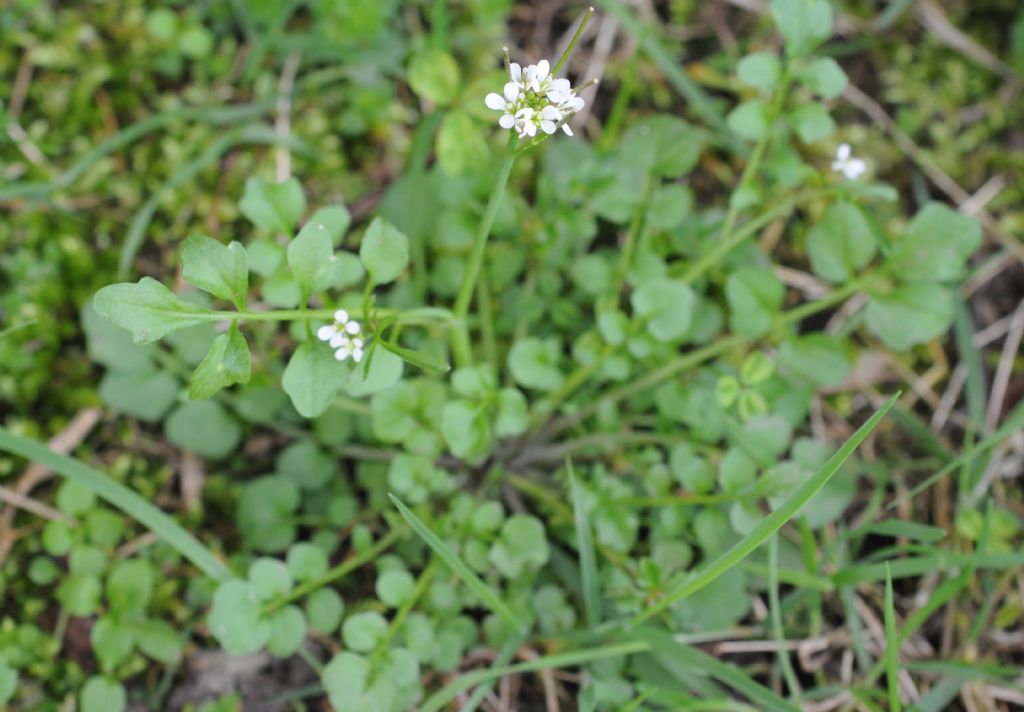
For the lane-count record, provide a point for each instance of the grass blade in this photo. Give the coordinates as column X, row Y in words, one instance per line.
column 892, row 649
column 900, row 528
column 572, row 658
column 490, row 597
column 770, row 524
column 975, row 391
column 724, row 672
column 775, row 611
column 588, row 559
column 121, row 497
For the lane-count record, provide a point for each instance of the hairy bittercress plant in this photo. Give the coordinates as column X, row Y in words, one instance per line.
column 621, row 325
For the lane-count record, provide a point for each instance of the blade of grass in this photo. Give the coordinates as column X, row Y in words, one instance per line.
column 901, row 528
column 572, row 658
column 770, row 524
column 975, row 391
column 919, row 565
column 588, row 559
column 1014, row 422
column 892, row 648
column 726, row 673
column 17, row 327
column 489, row 597
column 503, row 658
column 775, row 611
column 121, row 497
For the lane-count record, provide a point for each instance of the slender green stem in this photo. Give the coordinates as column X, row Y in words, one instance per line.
column 572, row 44
column 341, row 570
column 486, row 321
column 422, row 315
column 460, row 336
column 636, row 228
column 775, row 608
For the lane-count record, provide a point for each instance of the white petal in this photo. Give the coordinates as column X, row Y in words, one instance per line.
column 525, row 113
column 341, row 316
column 507, row 121
column 341, row 354
column 357, row 343
column 550, row 113
column 560, row 85
column 511, row 91
column 495, row 101
column 543, row 68
column 530, row 128
column 568, row 131
column 855, row 167
column 516, row 72
column 843, row 152
column 352, row 327
column 577, row 103
column 357, row 355
column 338, row 340
column 325, row 333
column 548, row 127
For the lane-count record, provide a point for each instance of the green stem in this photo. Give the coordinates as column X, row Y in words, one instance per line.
column 422, row 315
column 339, row 571
column 486, row 321
column 636, row 228
column 726, row 242
column 572, row 44
column 460, row 336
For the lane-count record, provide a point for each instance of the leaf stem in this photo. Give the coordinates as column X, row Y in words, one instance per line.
column 572, row 43
column 460, row 336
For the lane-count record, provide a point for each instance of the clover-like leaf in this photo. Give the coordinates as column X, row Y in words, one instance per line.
column 521, row 546
column 310, row 257
column 760, row 70
column 313, row 377
column 804, row 24
column 754, row 296
column 222, row 270
column 102, row 694
column 384, row 251
column 227, row 362
column 236, row 618
column 841, row 244
column 204, row 427
column 148, row 309
column 382, row 372
column 666, row 306
column 534, row 363
column 274, row 207
column 465, row 430
column 824, row 77
column 935, row 246
column 910, row 314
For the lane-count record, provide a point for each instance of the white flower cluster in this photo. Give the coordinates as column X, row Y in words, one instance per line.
column 851, row 168
column 343, row 335
column 535, row 100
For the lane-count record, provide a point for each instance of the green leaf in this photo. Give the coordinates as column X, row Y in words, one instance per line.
column 350, row 688
column 307, row 562
column 816, row 358
column 306, row 464
column 533, row 363
column 121, row 497
column 909, row 315
column 345, row 270
column 769, row 525
column 804, row 24
column 274, row 207
column 666, row 306
column 513, row 416
column 324, row 609
column 287, row 631
column 521, row 546
column 434, row 75
column 384, row 251
column 892, row 647
column 160, row 641
column 754, row 296
column 145, row 395
column 265, row 513
column 111, row 346
column 204, row 427
column 147, row 308
column 382, row 372
column 313, row 378
column 750, row 119
column 111, row 642
column 395, row 586
column 269, row 578
column 461, row 144
column 130, row 586
column 662, row 145
column 760, row 70
column 466, row 430
column 490, row 598
column 668, row 208
column 8, row 682
column 812, row 122
column 101, row 694
column 336, row 219
column 221, row 270
column 226, row 363
column 841, row 244
column 935, row 246
column 362, row 631
column 309, row 256
column 418, row 358
column 824, row 77
column 236, row 618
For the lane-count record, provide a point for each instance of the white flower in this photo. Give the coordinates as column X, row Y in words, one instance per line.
column 340, row 330
column 349, row 348
column 535, row 101
column 851, row 168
